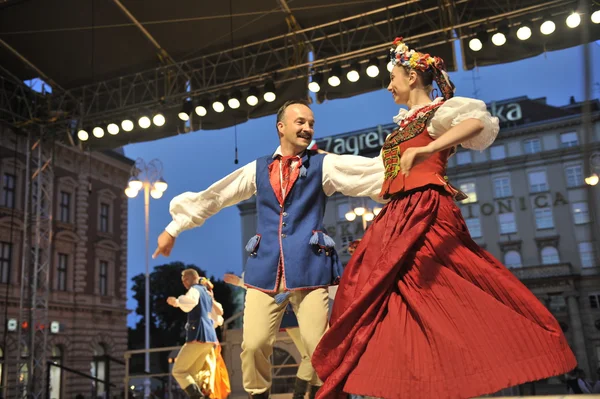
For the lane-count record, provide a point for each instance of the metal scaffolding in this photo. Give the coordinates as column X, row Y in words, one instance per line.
column 31, row 372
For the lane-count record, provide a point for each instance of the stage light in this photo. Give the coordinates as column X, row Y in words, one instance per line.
column 252, row 98
column 524, row 32
column 390, row 66
column 218, row 106
column 98, row 132
column 334, row 76
column 548, row 27
column 373, row 68
column 315, row 84
column 159, row 119
column 202, row 107
column 499, row 38
column 573, row 20
column 82, row 135
column 353, row 74
column 475, row 44
column 113, row 128
column 127, row 125
column 144, row 122
column 186, row 110
column 234, row 100
column 596, row 17
column 269, row 95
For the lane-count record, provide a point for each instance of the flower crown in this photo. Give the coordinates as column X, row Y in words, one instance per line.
column 401, row 55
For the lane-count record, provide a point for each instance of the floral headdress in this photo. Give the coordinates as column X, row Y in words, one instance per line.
column 401, row 55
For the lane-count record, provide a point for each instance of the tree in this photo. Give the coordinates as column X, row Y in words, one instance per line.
column 167, row 323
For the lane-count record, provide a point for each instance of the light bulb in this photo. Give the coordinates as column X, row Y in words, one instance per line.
column 498, row 38
column 233, row 103
column 159, row 119
column 161, row 185
column 82, row 135
column 524, row 32
column 144, row 122
column 314, row 87
column 156, row 194
column 113, row 128
column 350, row 216
column 200, row 110
column 334, row 81
column 353, row 76
column 573, row 20
column 127, row 125
column 596, row 17
column 592, row 180
column 131, row 193
column 360, row 210
column 98, row 132
column 269, row 96
column 218, row 106
column 376, row 211
column 369, row 216
column 475, row 44
column 390, row 66
column 548, row 27
column 372, row 71
column 135, row 184
column 252, row 100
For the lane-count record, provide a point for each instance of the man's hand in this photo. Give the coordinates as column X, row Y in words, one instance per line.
column 172, row 301
column 165, row 245
column 233, row 280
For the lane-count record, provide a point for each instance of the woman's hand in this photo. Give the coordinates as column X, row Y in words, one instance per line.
column 413, row 156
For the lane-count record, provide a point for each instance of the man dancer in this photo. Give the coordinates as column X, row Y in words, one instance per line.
column 292, row 259
column 200, row 338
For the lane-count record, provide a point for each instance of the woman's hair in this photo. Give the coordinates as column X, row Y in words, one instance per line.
column 425, row 76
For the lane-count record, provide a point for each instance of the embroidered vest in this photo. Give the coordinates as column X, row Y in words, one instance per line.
column 413, row 133
column 199, row 326
column 291, row 233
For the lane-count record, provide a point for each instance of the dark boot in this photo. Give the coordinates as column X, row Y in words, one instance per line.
column 194, row 392
column 264, row 395
column 313, row 391
column 300, row 389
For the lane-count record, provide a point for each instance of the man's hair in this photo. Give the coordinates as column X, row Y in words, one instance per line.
column 190, row 273
column 282, row 109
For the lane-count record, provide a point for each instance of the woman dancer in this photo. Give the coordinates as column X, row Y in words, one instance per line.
column 422, row 311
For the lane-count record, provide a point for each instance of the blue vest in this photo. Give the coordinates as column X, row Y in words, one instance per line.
column 199, row 326
column 292, row 232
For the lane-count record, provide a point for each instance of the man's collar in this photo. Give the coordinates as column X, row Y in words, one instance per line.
column 278, row 153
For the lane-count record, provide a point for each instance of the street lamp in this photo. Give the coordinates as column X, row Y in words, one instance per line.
column 593, row 178
column 147, row 176
column 365, row 213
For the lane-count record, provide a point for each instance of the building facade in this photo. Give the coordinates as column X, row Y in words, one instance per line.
column 88, row 269
column 528, row 205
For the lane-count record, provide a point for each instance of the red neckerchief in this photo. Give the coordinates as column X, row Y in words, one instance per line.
column 283, row 183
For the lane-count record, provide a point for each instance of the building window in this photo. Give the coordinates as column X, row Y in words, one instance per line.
column 9, row 190
column 587, row 254
column 103, row 277
column 557, row 303
column 507, row 223
column 56, row 373
column 469, row 190
column 5, row 261
column 474, row 226
column 550, row 256
column 65, row 207
column 574, row 175
column 538, row 181
column 104, row 217
column 595, row 301
column 580, row 212
column 532, row 146
column 463, row 158
column 569, row 139
column 512, row 259
column 543, row 218
column 497, row 152
column 98, row 370
column 63, row 261
column 502, row 187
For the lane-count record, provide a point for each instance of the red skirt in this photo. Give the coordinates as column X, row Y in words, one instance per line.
column 423, row 312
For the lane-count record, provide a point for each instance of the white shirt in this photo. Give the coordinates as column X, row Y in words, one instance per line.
column 188, row 301
column 351, row 175
column 455, row 111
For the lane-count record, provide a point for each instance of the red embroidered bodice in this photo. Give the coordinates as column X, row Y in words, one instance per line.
column 412, row 132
